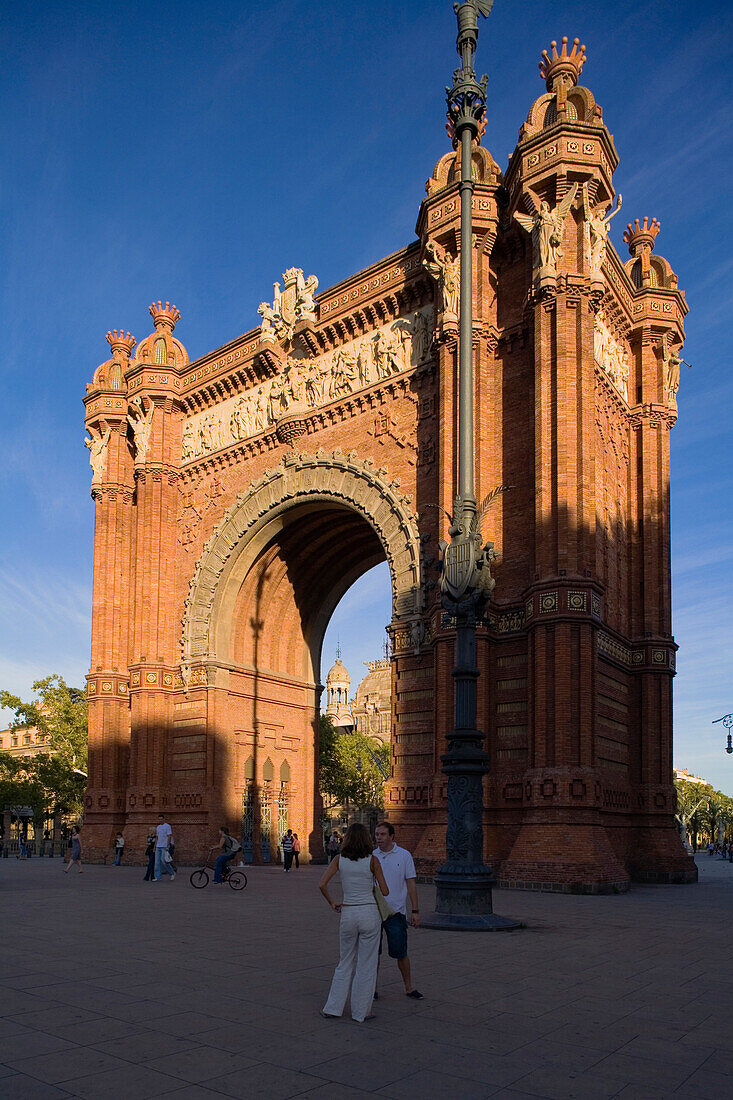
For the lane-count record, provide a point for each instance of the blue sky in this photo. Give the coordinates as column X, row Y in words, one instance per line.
column 194, row 151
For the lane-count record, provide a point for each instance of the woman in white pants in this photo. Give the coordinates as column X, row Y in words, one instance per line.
column 361, row 925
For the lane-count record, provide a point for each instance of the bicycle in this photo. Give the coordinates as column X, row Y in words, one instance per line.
column 233, row 875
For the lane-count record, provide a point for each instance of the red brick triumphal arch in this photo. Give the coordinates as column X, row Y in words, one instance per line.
column 238, row 496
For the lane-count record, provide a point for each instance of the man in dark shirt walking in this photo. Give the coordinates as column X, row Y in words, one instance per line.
column 287, row 846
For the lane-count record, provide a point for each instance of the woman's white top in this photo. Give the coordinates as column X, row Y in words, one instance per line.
column 357, row 880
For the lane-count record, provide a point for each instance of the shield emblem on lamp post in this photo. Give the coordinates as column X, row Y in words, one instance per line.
column 459, row 565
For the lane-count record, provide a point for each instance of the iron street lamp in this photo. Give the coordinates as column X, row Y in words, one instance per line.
column 464, row 881
column 727, row 721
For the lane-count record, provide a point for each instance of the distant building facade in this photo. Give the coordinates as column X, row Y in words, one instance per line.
column 24, row 742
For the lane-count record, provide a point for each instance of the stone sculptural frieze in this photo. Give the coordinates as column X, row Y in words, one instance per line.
column 307, row 383
column 611, row 355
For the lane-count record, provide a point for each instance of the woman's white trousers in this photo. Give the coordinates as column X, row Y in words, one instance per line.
column 357, row 969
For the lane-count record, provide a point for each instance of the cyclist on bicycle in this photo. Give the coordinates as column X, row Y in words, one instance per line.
column 229, row 848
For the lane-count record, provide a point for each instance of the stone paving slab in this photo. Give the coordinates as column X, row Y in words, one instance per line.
column 121, row 988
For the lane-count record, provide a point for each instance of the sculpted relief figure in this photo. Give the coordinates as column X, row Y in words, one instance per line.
column 239, row 421
column 343, row 373
column 546, row 228
column 445, row 269
column 671, row 361
column 141, row 423
column 611, row 354
column 595, row 230
column 188, row 443
column 269, row 319
column 365, row 363
column 305, row 306
column 387, row 358
column 97, row 444
column 420, row 338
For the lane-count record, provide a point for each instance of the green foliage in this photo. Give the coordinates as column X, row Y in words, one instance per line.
column 349, row 773
column 60, row 713
column 702, row 808
column 53, row 778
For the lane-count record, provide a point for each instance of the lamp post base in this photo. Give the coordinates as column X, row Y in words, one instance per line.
column 463, row 900
column 487, row 922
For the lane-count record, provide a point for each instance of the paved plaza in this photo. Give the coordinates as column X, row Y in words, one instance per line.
column 111, row 987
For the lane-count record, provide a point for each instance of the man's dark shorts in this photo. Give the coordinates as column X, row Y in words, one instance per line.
column 395, row 929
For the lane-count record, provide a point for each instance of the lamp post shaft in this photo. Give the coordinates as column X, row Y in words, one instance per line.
column 465, row 354
column 464, row 881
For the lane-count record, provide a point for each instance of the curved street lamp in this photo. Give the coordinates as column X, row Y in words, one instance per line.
column 727, row 721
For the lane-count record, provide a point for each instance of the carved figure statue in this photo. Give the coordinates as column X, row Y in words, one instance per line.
column 546, row 228
column 445, row 269
column 188, row 443
column 380, row 355
column 305, row 306
column 294, row 381
column 365, row 363
column 267, row 328
column 276, row 404
column 671, row 361
column 420, row 338
column 402, row 344
column 595, row 230
column 260, row 410
column 141, row 423
column 313, row 385
column 343, row 373
column 239, row 419
column 97, row 445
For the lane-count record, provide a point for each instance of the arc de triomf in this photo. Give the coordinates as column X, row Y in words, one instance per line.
column 239, row 496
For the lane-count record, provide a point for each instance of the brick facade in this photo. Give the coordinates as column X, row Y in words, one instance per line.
column 238, row 497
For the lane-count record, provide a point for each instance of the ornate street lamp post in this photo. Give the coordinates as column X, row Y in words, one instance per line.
column 727, row 721
column 464, row 881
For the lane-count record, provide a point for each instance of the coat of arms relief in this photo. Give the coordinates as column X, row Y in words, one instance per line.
column 306, row 381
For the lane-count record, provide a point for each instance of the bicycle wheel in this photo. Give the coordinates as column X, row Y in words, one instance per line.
column 237, row 880
column 199, row 879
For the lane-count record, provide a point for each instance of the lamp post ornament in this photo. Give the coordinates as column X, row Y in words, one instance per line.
column 464, row 881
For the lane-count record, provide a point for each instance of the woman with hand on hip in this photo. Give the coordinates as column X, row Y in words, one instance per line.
column 361, row 924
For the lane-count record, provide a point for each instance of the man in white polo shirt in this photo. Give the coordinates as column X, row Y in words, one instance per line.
column 399, row 871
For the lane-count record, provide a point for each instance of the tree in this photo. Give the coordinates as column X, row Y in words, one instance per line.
column 60, row 715
column 17, row 788
column 54, row 777
column 350, row 768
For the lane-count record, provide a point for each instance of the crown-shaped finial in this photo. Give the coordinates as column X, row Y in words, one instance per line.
column 166, row 315
column 120, row 343
column 562, row 64
column 638, row 235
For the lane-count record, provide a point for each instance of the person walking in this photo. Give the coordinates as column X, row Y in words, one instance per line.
column 399, row 871
column 360, row 927
column 75, row 850
column 163, row 839
column 333, row 846
column 229, row 848
column 119, row 848
column 287, row 847
column 296, row 851
column 150, row 853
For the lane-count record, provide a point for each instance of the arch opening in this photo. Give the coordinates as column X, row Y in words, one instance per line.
column 264, row 591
